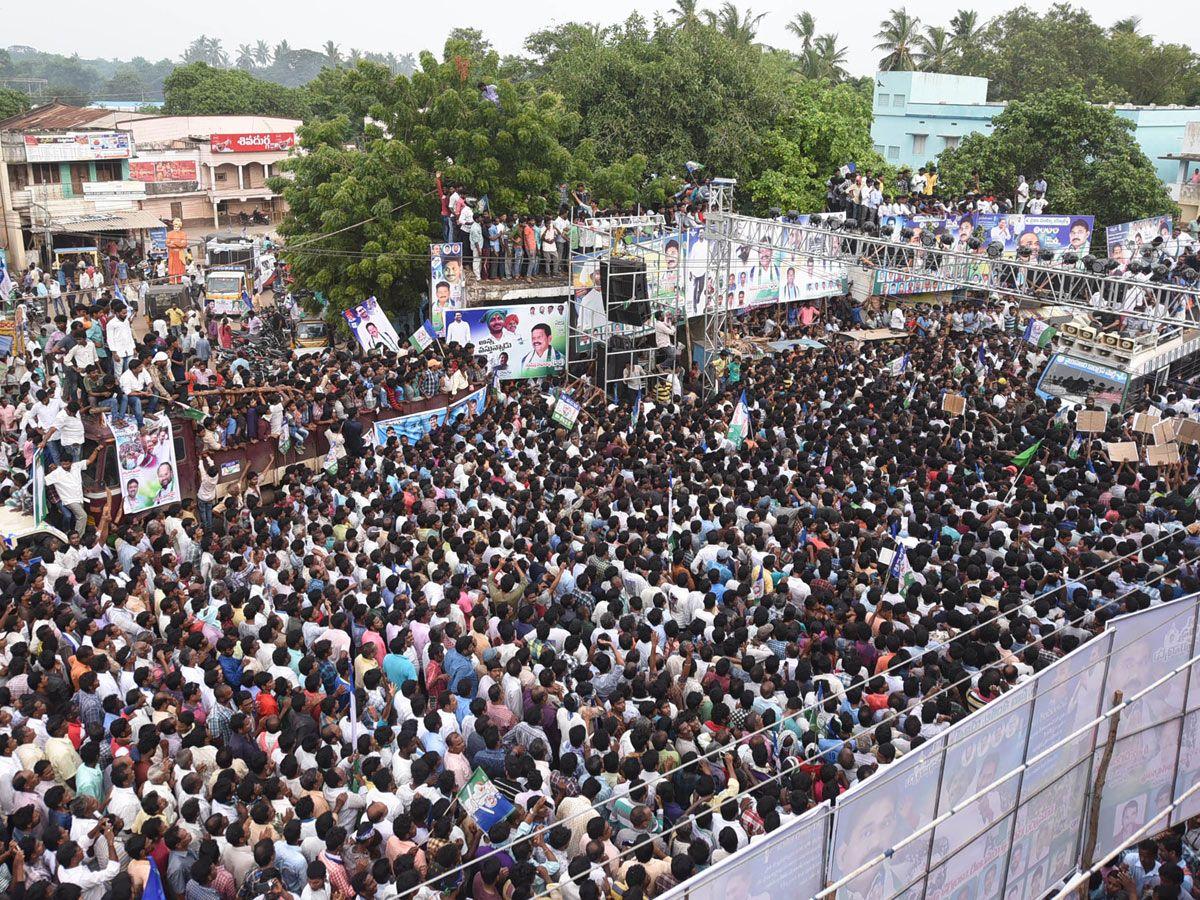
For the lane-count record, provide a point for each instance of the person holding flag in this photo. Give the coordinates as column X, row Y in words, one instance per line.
column 739, row 423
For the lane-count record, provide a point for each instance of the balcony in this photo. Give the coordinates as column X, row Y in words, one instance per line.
column 1184, row 193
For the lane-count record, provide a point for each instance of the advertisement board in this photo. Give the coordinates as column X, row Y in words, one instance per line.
column 146, row 462
column 411, row 428
column 1140, row 781
column 1055, row 233
column 1076, row 380
column 252, row 142
column 446, row 281
column 1146, row 646
column 520, row 341
column 985, row 746
column 787, row 863
column 78, row 146
column 152, row 171
column 1125, row 241
column 1046, row 840
column 875, row 815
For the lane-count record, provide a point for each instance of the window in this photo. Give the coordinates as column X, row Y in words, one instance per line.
column 897, row 100
column 879, row 148
column 893, row 152
column 45, row 173
column 919, row 144
column 883, row 100
column 222, row 176
column 108, row 170
column 951, row 140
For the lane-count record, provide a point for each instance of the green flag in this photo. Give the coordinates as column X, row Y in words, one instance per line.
column 1025, row 457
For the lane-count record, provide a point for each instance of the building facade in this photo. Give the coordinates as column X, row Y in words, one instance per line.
column 1184, row 187
column 98, row 177
column 917, row 115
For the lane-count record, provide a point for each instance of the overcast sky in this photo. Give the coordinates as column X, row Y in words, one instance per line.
column 164, row 29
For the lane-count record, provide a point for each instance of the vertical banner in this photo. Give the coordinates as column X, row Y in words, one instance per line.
column 38, row 479
column 371, row 327
column 446, row 281
column 1140, row 782
column 146, row 462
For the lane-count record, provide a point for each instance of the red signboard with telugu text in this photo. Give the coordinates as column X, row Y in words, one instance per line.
column 256, row 142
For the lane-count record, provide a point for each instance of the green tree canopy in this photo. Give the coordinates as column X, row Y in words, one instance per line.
column 12, row 103
column 200, row 90
column 1086, row 153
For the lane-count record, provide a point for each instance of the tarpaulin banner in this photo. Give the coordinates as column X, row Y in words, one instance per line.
column 520, row 341
column 1125, row 241
column 146, row 463
column 372, row 327
column 413, row 427
column 1055, row 233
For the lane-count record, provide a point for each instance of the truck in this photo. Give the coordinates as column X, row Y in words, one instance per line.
column 225, row 289
column 101, row 480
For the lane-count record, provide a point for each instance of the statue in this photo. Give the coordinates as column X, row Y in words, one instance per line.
column 176, row 247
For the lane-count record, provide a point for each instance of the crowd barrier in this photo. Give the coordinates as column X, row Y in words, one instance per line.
column 1020, row 837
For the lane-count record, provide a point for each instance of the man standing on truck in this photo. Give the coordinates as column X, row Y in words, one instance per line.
column 120, row 340
column 67, row 480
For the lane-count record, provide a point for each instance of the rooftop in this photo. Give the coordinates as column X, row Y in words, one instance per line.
column 61, row 117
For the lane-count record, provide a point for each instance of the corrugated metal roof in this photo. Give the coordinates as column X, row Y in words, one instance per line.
column 58, row 117
column 130, row 221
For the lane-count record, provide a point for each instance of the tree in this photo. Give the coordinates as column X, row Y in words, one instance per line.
column 12, row 103
column 825, row 59
column 804, row 27
column 823, row 127
column 1087, row 154
column 381, row 191
column 333, row 55
column 262, row 54
column 739, row 27
column 686, row 13
column 935, row 50
column 965, row 30
column 898, row 38
column 245, row 57
column 1129, row 25
column 199, row 89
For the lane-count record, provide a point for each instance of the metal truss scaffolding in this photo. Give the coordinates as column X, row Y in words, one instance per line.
column 611, row 340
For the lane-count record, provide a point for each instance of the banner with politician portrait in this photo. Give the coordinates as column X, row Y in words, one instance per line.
column 447, row 281
column 1057, row 234
column 146, row 464
column 411, row 428
column 520, row 341
column 371, row 326
column 1125, row 241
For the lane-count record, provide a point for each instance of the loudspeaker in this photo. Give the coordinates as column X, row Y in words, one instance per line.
column 623, row 284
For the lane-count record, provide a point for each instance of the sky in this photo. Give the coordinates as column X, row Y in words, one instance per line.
column 410, row 26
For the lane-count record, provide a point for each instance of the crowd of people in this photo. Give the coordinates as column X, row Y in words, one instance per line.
column 658, row 643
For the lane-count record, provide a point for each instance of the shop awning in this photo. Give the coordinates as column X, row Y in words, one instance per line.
column 134, row 220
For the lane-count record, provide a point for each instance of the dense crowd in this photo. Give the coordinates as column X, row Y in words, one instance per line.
column 659, row 644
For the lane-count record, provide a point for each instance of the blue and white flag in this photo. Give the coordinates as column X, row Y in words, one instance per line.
column 637, row 411
column 899, row 365
column 247, row 301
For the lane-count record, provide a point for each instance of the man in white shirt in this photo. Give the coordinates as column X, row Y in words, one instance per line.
column 120, row 339
column 135, row 384
column 67, row 480
column 65, row 436
column 71, row 869
column 458, row 331
column 1022, row 193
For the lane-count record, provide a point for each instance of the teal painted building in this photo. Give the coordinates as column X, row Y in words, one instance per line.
column 917, row 115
